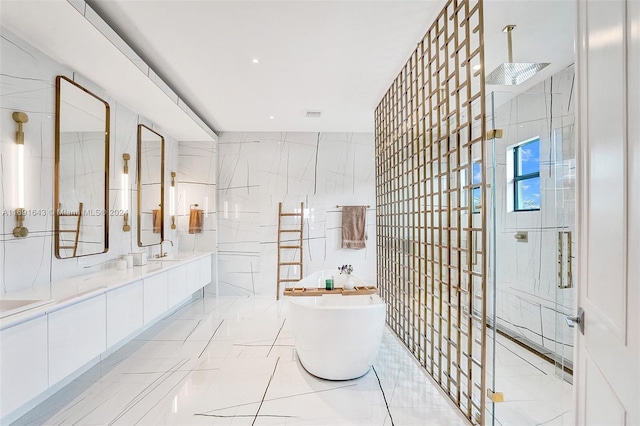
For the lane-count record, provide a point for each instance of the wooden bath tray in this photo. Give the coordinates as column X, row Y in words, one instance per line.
column 301, row 291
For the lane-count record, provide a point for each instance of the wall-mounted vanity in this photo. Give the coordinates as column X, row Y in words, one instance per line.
column 63, row 314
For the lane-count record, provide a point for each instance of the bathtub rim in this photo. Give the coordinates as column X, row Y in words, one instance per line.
column 379, row 303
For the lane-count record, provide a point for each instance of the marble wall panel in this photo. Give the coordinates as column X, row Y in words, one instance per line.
column 258, row 171
column 27, row 83
column 197, row 175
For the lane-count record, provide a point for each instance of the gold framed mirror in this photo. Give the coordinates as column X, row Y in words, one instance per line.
column 81, row 194
column 150, row 187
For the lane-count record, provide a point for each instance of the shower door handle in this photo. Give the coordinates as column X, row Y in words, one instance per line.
column 578, row 319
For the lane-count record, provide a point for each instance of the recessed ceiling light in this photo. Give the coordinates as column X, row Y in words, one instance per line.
column 476, row 67
column 271, row 117
column 255, row 60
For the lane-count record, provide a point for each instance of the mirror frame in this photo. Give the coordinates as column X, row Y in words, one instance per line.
column 56, row 193
column 139, row 166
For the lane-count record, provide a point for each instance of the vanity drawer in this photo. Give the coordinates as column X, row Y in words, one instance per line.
column 124, row 312
column 155, row 297
column 23, row 370
column 77, row 334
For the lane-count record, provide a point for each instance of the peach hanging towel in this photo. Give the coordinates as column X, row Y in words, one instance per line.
column 195, row 221
column 354, row 227
column 157, row 221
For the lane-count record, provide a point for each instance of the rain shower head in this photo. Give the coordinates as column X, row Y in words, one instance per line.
column 513, row 73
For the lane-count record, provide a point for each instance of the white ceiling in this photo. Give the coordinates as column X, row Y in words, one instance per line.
column 60, row 31
column 337, row 57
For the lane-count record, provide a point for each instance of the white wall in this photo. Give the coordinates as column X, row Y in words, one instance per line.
column 27, row 83
column 259, row 170
column 529, row 304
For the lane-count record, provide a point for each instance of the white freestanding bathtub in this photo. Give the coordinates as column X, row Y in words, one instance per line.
column 337, row 337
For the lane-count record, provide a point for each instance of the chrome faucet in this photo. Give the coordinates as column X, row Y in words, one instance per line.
column 163, row 254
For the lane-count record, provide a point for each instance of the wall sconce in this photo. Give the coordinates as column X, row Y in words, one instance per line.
column 125, row 192
column 20, row 231
column 172, row 200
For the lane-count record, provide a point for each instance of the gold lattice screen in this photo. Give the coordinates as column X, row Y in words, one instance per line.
column 431, row 204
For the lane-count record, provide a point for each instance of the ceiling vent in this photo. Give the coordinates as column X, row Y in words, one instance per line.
column 313, row 114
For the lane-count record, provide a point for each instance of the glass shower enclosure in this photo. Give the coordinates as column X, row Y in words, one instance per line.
column 531, row 247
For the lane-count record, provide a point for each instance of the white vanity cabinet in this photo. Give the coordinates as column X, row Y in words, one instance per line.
column 177, row 285
column 193, row 277
column 44, row 348
column 23, row 366
column 155, row 296
column 205, row 270
column 77, row 335
column 124, row 313
column 198, row 274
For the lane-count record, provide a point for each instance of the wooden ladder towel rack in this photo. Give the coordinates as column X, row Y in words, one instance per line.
column 289, row 245
column 76, row 231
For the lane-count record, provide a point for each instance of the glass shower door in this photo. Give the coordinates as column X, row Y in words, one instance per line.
column 530, row 219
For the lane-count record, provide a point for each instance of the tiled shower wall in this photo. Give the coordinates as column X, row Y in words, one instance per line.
column 529, row 303
column 27, row 83
column 259, row 170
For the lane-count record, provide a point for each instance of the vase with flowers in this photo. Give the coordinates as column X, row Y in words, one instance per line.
column 347, row 270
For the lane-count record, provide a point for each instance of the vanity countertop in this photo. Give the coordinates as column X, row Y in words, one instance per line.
column 41, row 300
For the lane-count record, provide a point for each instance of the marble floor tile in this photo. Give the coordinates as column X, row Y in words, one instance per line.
column 232, row 361
column 534, row 392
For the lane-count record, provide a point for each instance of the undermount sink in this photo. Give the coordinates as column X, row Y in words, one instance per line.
column 173, row 257
column 10, row 307
column 153, row 266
